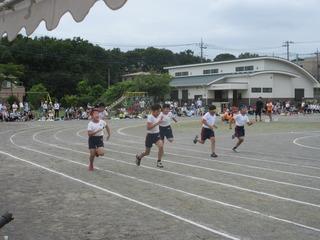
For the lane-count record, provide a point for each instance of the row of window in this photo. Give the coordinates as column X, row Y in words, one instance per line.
column 181, row 74
column 244, row 68
column 216, row 70
column 258, row 90
column 210, row 71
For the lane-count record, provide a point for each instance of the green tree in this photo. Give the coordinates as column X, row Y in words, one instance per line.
column 37, row 94
column 155, row 85
column 248, row 55
column 224, row 57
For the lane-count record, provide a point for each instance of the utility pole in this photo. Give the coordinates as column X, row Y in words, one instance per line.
column 318, row 67
column 287, row 45
column 109, row 78
column 201, row 49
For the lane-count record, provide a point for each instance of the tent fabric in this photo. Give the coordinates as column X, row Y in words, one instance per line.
column 29, row 13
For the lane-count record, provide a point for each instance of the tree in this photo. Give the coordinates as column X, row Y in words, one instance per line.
column 37, row 94
column 224, row 57
column 248, row 55
column 156, row 85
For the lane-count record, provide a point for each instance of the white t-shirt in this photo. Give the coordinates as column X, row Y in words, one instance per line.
column 56, row 106
column 166, row 119
column 211, row 120
column 152, row 119
column 241, row 120
column 92, row 126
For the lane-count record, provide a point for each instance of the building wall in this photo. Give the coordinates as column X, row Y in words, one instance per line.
column 223, row 67
column 19, row 92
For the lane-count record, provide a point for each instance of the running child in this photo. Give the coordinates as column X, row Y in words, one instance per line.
column 165, row 127
column 269, row 108
column 95, row 133
column 240, row 119
column 208, row 124
column 153, row 135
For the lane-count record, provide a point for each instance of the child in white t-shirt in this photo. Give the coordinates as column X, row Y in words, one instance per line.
column 153, row 135
column 95, row 133
column 208, row 124
column 240, row 120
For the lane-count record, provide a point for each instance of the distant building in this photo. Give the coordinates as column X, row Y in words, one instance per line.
column 8, row 89
column 242, row 81
column 311, row 64
column 131, row 76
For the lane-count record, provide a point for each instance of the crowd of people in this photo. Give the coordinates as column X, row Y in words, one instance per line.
column 18, row 111
column 139, row 107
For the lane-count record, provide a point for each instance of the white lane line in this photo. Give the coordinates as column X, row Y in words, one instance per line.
column 120, row 131
column 226, row 235
column 173, row 189
column 213, row 160
column 295, row 141
column 186, row 176
column 230, row 163
column 200, row 167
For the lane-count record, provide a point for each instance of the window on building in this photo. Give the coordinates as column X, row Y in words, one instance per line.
column 256, row 90
column 181, row 74
column 244, row 68
column 267, row 90
column 248, row 68
column 239, row 69
column 210, row 71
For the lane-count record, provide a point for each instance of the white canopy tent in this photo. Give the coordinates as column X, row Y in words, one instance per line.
column 18, row 14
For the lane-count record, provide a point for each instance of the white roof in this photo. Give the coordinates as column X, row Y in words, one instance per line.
column 18, row 14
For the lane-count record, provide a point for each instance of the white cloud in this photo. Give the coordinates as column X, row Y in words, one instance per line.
column 228, row 23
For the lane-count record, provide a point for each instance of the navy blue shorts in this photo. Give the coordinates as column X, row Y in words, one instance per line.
column 151, row 139
column 95, row 142
column 239, row 131
column 165, row 132
column 206, row 133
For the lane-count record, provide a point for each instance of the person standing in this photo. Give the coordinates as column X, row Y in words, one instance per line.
column 259, row 107
column 56, row 107
column 14, row 107
column 207, row 132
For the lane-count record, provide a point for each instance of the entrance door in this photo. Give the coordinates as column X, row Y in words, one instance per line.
column 235, row 99
column 298, row 94
column 184, row 95
column 174, row 95
column 218, row 95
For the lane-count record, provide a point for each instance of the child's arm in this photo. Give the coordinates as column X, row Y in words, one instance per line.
column 174, row 119
column 208, row 125
column 92, row 133
column 151, row 125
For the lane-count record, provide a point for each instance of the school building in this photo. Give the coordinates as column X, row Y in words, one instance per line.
column 242, row 81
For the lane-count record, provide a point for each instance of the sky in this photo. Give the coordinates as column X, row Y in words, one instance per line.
column 226, row 26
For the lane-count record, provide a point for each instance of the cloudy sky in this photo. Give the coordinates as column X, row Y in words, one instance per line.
column 232, row 26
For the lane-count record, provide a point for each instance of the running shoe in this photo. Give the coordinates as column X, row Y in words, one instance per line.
column 234, row 149
column 195, row 140
column 159, row 164
column 138, row 160
column 213, row 155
